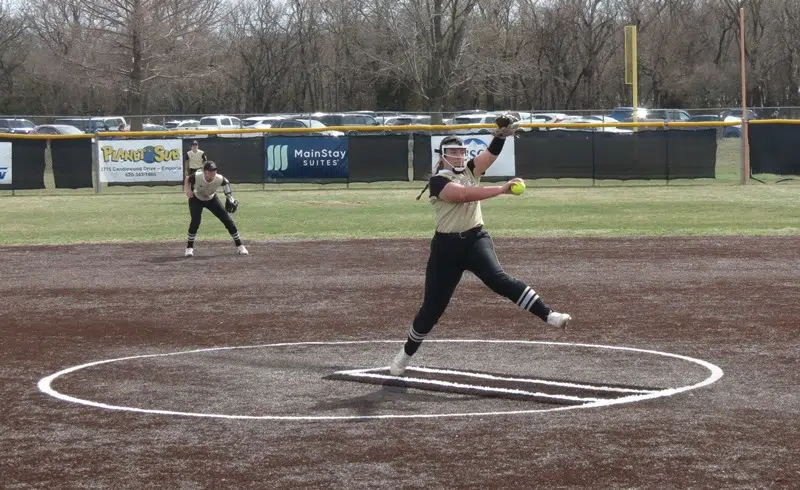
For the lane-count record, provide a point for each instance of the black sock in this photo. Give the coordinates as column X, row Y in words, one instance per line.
column 540, row 309
column 411, row 347
column 531, row 301
column 414, row 341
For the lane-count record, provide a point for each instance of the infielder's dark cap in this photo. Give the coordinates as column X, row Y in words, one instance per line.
column 209, row 165
column 195, row 143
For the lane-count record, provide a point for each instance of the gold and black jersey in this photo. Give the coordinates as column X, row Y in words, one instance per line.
column 196, row 159
column 205, row 191
column 455, row 217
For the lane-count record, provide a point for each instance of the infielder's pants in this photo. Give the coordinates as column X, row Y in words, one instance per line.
column 215, row 206
column 451, row 255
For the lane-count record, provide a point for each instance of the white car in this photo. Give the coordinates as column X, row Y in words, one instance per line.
column 182, row 125
column 219, row 122
column 261, row 120
column 484, row 118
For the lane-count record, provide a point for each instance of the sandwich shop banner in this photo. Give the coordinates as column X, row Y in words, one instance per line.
column 140, row 160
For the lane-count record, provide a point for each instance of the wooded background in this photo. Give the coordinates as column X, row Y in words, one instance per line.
column 70, row 57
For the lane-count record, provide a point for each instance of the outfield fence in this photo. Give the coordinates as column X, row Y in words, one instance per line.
column 644, row 151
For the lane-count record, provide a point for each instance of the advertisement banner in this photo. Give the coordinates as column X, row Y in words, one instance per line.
column 502, row 167
column 140, row 160
column 5, row 163
column 306, row 158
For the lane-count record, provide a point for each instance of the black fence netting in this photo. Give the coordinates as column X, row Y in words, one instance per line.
column 27, row 164
column 554, row 154
column 72, row 163
column 374, row 158
column 423, row 158
column 240, row 160
column 628, row 156
column 692, row 154
column 774, row 149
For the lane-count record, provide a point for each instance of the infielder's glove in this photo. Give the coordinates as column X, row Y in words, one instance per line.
column 231, row 205
column 507, row 125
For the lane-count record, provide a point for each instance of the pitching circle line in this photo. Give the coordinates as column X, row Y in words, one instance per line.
column 716, row 373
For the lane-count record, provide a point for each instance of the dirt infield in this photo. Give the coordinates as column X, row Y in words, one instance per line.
column 236, row 354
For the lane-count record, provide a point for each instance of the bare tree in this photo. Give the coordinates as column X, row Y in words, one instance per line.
column 431, row 38
column 128, row 43
column 13, row 52
column 261, row 33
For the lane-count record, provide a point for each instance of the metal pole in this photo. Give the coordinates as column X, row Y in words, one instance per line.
column 745, row 140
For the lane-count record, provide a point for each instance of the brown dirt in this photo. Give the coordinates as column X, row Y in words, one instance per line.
column 731, row 301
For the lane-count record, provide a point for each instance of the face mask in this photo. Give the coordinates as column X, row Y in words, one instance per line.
column 455, row 156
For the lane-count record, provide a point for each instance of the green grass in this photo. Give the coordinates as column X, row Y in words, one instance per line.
column 384, row 212
column 567, row 207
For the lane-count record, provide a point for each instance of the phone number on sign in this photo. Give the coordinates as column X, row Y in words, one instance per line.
column 141, row 174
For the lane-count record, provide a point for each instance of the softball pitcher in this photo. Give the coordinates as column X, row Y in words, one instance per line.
column 201, row 189
column 460, row 242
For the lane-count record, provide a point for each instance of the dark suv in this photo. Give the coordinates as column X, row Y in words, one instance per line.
column 85, row 124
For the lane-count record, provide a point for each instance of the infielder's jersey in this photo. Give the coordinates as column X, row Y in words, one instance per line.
column 196, row 159
column 205, row 191
column 455, row 217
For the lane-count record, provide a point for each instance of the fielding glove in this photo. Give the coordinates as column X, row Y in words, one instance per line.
column 507, row 125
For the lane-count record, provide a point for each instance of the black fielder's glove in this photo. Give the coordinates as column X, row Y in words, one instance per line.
column 507, row 125
column 231, row 205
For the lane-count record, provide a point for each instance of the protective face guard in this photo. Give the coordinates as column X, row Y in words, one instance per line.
column 457, row 151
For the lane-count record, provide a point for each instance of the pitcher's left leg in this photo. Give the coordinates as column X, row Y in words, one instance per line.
column 483, row 262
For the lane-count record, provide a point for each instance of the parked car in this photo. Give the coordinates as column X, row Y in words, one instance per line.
column 261, row 121
column 153, row 127
column 344, row 119
column 176, row 125
column 85, row 124
column 56, row 129
column 737, row 113
column 548, row 117
column 625, row 114
column 406, row 120
column 306, row 123
column 220, row 122
column 16, row 126
column 482, row 118
column 113, row 123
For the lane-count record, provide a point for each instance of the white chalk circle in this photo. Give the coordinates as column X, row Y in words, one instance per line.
column 715, row 373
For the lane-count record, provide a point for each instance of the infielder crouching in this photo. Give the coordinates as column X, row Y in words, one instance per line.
column 201, row 189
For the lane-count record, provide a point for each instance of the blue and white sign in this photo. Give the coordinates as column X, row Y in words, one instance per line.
column 5, row 163
column 306, row 158
column 504, row 166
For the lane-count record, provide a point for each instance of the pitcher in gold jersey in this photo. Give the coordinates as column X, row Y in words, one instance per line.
column 461, row 244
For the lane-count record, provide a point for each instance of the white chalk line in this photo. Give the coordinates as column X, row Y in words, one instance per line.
column 485, row 389
column 45, row 384
column 490, row 377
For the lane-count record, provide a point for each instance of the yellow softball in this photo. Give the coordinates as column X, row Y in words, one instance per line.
column 518, row 188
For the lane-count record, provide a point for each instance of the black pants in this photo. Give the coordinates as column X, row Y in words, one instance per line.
column 215, row 206
column 451, row 255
